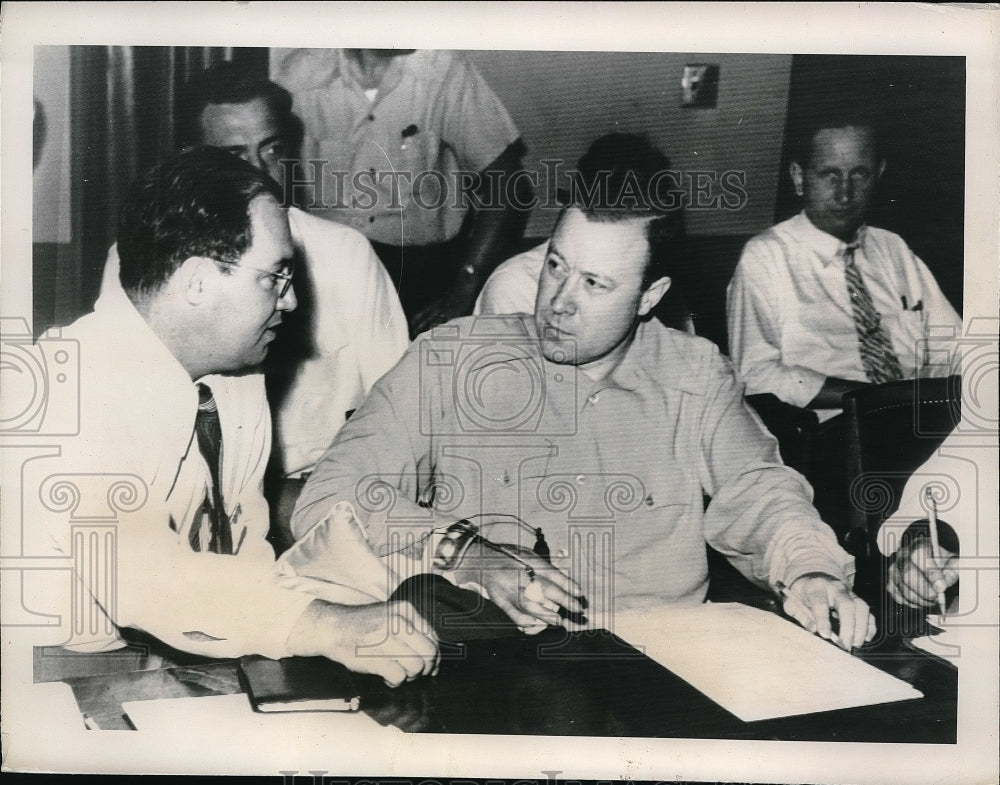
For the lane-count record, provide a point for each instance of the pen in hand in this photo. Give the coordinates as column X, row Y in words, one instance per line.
column 935, row 543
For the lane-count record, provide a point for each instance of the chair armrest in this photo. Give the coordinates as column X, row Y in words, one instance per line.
column 773, row 410
column 793, row 427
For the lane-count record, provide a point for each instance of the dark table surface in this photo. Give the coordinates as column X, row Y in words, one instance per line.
column 584, row 684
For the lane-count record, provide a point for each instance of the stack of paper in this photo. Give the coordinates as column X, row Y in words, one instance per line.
column 755, row 664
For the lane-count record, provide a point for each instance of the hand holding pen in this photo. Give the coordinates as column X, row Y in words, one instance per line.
column 922, row 570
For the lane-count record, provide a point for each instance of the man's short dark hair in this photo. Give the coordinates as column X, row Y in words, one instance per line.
column 229, row 83
column 803, row 130
column 194, row 204
column 621, row 163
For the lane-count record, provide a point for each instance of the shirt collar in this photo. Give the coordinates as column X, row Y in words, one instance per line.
column 643, row 361
column 391, row 77
column 826, row 245
column 139, row 344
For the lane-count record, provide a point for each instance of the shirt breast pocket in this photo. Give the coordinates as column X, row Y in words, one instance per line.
column 907, row 331
column 417, row 153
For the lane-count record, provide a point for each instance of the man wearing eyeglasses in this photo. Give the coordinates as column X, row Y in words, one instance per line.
column 822, row 304
column 172, row 406
column 349, row 327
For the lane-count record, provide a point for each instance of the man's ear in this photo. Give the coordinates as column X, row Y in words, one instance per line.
column 797, row 177
column 653, row 295
column 881, row 169
column 194, row 279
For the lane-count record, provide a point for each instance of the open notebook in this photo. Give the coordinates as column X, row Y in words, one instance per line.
column 755, row 664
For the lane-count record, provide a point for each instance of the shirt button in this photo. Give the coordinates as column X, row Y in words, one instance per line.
column 579, row 479
column 371, row 219
column 371, row 118
column 593, row 399
column 649, row 500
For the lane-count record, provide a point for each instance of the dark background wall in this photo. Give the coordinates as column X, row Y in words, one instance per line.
column 562, row 101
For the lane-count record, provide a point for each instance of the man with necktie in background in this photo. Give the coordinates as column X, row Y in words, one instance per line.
column 822, row 304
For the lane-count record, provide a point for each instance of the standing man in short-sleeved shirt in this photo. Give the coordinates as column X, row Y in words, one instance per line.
column 394, row 128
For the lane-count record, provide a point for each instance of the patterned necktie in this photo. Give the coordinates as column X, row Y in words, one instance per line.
column 209, row 433
column 880, row 361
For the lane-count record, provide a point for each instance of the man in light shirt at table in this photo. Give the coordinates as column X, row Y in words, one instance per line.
column 822, row 304
column 595, row 424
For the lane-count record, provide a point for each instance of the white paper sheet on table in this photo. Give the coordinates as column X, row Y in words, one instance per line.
column 755, row 664
column 179, row 717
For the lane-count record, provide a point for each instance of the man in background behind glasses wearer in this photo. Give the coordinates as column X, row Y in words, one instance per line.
column 822, row 304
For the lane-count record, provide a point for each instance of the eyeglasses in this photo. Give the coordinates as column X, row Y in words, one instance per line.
column 858, row 180
column 285, row 275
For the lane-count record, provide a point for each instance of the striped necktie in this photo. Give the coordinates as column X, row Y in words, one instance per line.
column 880, row 361
column 209, row 432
